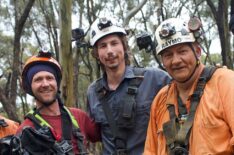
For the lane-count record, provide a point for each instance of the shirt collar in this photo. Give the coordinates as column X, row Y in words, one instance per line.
column 172, row 91
column 128, row 74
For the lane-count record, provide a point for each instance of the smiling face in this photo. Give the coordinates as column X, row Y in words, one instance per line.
column 180, row 61
column 44, row 87
column 111, row 52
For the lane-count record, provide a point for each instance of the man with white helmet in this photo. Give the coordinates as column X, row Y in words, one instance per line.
column 194, row 113
column 120, row 100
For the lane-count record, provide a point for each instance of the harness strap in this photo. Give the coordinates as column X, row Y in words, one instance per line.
column 133, row 85
column 40, row 122
column 75, row 130
column 74, row 122
column 171, row 109
column 110, row 118
column 66, row 124
column 180, row 134
column 184, row 132
column 66, row 127
column 181, row 108
column 118, row 128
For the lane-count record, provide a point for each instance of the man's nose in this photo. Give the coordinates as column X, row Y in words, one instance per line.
column 109, row 50
column 45, row 82
column 176, row 59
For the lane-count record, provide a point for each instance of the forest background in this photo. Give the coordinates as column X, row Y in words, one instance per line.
column 26, row 26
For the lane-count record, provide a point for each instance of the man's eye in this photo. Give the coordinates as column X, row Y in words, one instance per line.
column 182, row 51
column 115, row 43
column 50, row 78
column 167, row 55
column 102, row 46
column 37, row 79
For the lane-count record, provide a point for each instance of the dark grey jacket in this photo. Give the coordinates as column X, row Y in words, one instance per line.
column 154, row 80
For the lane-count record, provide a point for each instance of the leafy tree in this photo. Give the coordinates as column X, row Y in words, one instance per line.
column 8, row 96
column 66, row 52
column 220, row 13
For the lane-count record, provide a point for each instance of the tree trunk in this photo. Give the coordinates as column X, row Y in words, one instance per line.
column 221, row 18
column 8, row 97
column 66, row 52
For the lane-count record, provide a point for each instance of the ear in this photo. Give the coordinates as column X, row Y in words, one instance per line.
column 198, row 50
column 94, row 53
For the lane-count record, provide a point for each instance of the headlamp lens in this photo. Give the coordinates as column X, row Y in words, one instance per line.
column 46, row 54
column 104, row 23
column 166, row 31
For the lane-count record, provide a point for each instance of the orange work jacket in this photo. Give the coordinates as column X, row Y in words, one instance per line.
column 10, row 129
column 213, row 126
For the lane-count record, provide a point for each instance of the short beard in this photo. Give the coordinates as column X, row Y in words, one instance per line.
column 48, row 103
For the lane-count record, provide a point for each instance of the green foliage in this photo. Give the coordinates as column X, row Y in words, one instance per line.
column 42, row 29
column 216, row 59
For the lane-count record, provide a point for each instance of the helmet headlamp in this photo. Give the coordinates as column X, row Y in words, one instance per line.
column 104, row 26
column 167, row 31
column 174, row 31
column 46, row 54
column 104, row 23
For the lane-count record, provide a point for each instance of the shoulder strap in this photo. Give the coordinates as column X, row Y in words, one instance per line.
column 74, row 122
column 184, row 132
column 66, row 126
column 37, row 120
column 132, row 89
column 181, row 136
column 118, row 132
column 197, row 94
column 40, row 122
column 139, row 71
column 76, row 132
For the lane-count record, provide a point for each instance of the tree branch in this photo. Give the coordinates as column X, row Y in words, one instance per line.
column 132, row 12
column 213, row 9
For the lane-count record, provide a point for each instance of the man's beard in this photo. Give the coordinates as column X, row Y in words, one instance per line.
column 46, row 103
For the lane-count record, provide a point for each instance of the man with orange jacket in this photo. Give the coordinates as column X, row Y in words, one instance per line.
column 194, row 114
column 7, row 127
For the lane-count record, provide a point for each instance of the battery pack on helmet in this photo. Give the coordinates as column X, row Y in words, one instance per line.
column 194, row 24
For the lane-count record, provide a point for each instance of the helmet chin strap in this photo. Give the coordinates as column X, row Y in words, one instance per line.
column 197, row 64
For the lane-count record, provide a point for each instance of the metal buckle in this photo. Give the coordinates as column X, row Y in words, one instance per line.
column 65, row 146
column 178, row 150
column 132, row 90
column 121, row 152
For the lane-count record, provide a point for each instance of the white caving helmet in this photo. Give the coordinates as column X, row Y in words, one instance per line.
column 175, row 31
column 104, row 26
